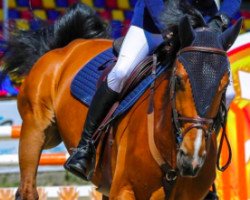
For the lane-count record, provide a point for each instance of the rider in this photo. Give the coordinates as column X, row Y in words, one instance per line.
column 142, row 38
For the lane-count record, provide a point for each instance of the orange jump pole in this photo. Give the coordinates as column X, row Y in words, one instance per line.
column 46, row 159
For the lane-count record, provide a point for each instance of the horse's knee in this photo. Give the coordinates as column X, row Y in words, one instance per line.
column 124, row 194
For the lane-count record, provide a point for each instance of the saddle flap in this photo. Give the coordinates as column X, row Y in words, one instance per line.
column 104, row 167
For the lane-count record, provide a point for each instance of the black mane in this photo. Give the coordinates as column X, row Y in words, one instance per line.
column 176, row 10
column 24, row 48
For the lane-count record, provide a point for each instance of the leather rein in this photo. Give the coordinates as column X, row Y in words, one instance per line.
column 208, row 125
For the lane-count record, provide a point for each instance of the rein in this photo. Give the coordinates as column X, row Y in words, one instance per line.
column 223, row 119
column 207, row 125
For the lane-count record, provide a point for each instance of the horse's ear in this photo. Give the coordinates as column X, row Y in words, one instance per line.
column 186, row 32
column 229, row 36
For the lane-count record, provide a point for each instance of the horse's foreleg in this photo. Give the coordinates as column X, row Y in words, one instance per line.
column 30, row 147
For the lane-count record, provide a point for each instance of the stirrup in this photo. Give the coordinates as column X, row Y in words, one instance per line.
column 83, row 170
column 76, row 173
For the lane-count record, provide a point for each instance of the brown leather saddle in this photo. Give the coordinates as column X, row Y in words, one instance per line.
column 117, row 45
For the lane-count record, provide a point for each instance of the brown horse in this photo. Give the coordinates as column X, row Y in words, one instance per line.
column 145, row 149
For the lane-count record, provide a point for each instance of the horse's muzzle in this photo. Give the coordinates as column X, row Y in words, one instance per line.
column 187, row 165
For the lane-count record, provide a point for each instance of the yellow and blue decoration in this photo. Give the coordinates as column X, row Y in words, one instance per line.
column 118, row 12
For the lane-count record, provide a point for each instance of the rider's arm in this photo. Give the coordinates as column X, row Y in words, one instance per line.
column 227, row 11
column 155, row 8
column 230, row 7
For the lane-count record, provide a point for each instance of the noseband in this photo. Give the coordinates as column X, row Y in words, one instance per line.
column 207, row 125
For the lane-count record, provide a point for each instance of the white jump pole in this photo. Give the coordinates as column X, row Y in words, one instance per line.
column 10, row 132
column 55, row 191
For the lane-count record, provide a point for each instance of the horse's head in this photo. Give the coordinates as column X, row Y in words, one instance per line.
column 198, row 85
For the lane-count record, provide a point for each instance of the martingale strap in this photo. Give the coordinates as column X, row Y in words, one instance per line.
column 170, row 174
column 152, row 146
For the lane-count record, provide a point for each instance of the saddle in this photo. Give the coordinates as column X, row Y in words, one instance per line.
column 117, row 44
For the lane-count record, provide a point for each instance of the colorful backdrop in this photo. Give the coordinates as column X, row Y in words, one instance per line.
column 25, row 13
column 234, row 183
column 22, row 12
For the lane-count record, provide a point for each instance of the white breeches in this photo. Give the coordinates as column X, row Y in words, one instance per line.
column 137, row 44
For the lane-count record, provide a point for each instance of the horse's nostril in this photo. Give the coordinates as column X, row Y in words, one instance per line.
column 204, row 154
column 181, row 152
column 196, row 170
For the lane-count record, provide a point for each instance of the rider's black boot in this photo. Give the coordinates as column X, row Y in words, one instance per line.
column 82, row 161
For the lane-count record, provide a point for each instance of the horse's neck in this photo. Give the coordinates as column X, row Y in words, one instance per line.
column 164, row 135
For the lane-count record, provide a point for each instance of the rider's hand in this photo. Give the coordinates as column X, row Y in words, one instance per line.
column 219, row 22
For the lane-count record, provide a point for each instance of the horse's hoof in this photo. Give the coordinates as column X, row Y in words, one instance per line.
column 17, row 196
column 211, row 196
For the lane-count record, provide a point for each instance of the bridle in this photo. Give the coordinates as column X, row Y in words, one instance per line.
column 207, row 125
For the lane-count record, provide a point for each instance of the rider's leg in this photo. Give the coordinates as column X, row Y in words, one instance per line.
column 137, row 44
column 82, row 161
column 134, row 49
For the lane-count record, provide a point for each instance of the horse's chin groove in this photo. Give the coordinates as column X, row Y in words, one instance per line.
column 189, row 174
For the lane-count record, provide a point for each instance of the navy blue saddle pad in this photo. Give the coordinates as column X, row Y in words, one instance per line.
column 84, row 84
